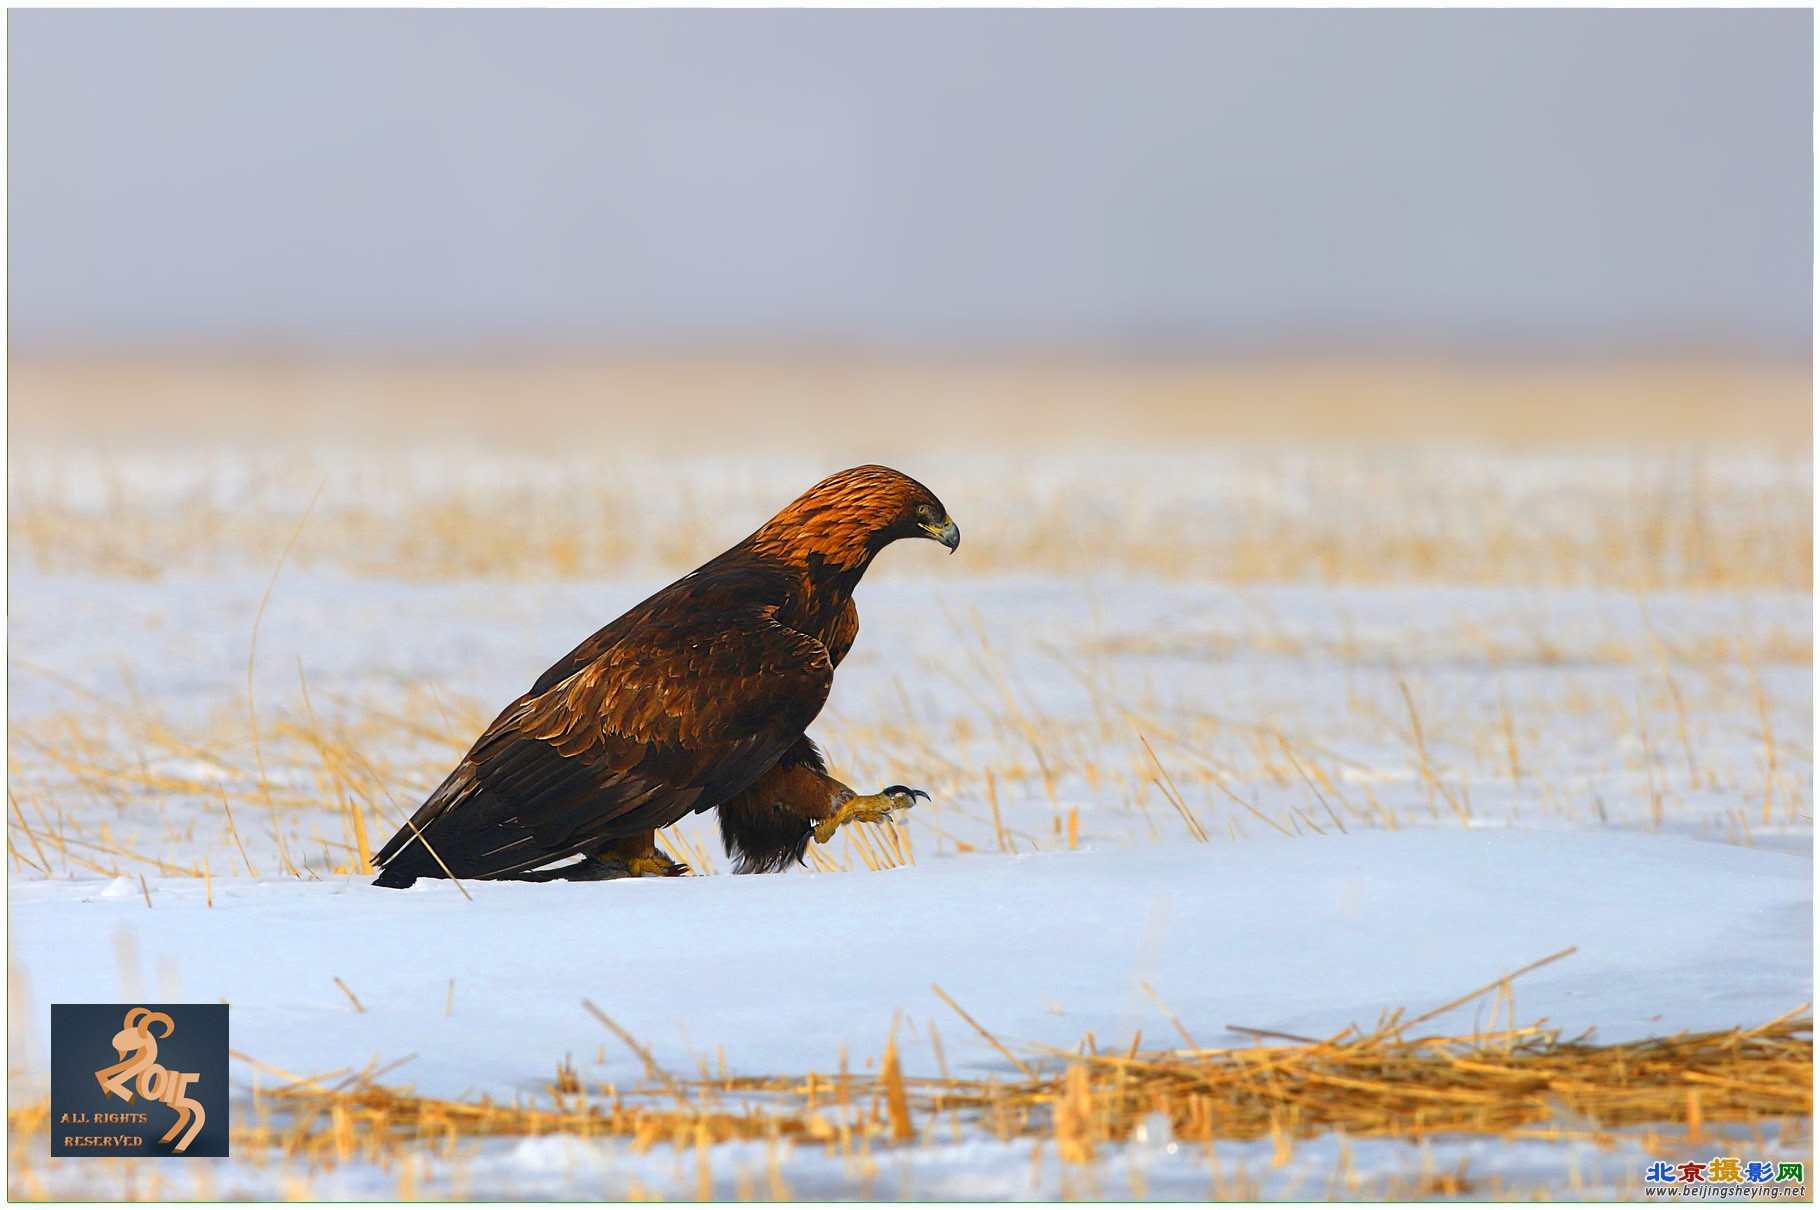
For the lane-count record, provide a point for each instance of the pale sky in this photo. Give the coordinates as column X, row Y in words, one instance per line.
column 1123, row 179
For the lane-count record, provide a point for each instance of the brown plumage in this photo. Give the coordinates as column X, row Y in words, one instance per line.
column 696, row 698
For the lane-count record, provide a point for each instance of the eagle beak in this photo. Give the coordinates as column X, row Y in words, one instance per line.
column 947, row 533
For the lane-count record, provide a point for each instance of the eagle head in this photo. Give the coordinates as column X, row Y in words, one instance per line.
column 851, row 516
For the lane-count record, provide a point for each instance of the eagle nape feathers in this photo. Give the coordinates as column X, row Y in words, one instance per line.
column 696, row 699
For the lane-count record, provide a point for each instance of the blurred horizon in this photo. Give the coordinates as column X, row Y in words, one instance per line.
column 1170, row 184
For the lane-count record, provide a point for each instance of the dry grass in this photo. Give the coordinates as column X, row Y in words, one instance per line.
column 1333, row 472
column 1513, row 1083
column 1271, row 514
column 112, row 786
column 115, row 786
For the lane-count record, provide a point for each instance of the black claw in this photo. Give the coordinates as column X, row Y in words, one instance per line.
column 914, row 794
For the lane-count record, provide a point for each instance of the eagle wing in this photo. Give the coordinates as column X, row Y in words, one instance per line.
column 668, row 719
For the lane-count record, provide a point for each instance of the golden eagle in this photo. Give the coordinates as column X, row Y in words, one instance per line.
column 696, row 698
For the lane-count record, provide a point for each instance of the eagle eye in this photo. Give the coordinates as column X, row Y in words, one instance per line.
column 924, row 513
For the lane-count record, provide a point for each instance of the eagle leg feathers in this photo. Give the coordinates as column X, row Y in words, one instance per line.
column 768, row 825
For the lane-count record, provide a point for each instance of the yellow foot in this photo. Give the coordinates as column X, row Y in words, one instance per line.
column 867, row 808
column 656, row 862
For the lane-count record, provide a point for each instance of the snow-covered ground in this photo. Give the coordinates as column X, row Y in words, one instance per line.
column 1300, row 936
column 782, row 974
column 1406, row 791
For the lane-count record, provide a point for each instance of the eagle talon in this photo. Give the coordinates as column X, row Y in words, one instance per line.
column 868, row 808
column 657, row 862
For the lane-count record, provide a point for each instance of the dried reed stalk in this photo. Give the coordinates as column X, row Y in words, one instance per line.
column 1517, row 1082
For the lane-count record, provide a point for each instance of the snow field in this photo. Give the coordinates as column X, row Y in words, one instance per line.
column 1287, row 789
